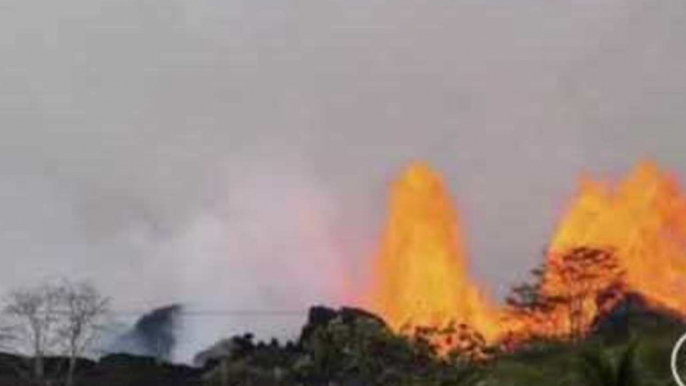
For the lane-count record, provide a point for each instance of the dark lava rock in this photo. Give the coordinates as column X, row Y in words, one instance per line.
column 320, row 317
column 633, row 312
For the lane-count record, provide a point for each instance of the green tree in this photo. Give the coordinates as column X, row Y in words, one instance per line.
column 597, row 368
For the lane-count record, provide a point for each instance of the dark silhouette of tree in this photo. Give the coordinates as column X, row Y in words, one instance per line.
column 528, row 301
column 32, row 324
column 55, row 318
column 527, row 298
column 82, row 310
column 566, row 293
column 583, row 281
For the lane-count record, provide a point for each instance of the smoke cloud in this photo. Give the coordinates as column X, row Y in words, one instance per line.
column 153, row 335
column 236, row 155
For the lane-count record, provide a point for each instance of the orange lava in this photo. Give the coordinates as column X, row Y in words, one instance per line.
column 421, row 272
column 642, row 218
column 421, row 276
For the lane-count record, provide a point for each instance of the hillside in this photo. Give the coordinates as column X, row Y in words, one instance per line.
column 350, row 347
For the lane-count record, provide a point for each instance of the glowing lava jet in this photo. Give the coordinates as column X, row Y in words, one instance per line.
column 421, row 275
column 421, row 278
column 642, row 220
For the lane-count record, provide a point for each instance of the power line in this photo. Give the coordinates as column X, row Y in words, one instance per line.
column 219, row 313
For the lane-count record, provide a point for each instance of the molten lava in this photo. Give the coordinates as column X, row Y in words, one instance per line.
column 642, row 219
column 421, row 275
column 616, row 238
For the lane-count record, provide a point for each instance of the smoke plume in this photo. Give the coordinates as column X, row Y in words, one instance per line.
column 234, row 156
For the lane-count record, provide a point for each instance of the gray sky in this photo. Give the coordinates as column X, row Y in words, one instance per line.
column 237, row 153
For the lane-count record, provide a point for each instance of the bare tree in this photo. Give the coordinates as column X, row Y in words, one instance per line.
column 54, row 318
column 33, row 321
column 82, row 310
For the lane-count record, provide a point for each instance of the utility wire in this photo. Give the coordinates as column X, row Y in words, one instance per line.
column 216, row 313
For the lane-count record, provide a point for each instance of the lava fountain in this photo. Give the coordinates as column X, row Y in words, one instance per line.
column 421, row 275
column 642, row 219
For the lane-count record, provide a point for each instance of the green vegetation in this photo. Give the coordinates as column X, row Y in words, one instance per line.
column 350, row 347
column 347, row 347
column 627, row 344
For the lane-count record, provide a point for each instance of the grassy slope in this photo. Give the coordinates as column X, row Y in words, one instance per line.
column 560, row 365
